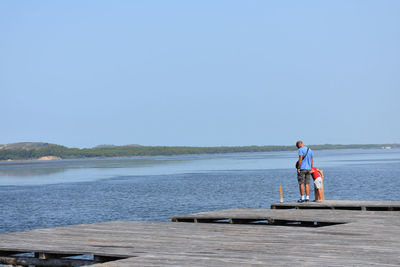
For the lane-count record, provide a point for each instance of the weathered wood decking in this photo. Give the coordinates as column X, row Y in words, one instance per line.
column 362, row 238
column 271, row 217
column 341, row 205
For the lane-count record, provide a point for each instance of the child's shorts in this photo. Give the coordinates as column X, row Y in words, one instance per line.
column 318, row 182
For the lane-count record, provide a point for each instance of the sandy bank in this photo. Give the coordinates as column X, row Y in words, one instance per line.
column 49, row 158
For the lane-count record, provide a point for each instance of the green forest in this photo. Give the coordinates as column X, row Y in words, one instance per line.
column 129, row 151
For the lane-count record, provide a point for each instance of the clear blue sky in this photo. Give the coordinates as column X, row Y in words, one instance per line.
column 200, row 73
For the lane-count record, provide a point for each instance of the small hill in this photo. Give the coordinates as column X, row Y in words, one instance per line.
column 25, row 145
column 115, row 146
column 105, row 146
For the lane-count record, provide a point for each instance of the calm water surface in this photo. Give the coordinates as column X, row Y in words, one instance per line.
column 47, row 194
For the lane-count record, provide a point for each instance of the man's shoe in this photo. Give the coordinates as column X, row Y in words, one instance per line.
column 307, row 200
column 300, row 201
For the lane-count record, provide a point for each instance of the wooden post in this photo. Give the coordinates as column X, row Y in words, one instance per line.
column 280, row 191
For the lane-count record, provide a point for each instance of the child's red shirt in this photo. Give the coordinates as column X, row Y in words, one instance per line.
column 315, row 174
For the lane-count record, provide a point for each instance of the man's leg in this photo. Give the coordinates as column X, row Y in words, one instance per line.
column 301, row 181
column 307, row 182
column 307, row 190
column 301, row 186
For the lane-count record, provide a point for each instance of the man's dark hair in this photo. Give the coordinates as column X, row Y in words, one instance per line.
column 298, row 143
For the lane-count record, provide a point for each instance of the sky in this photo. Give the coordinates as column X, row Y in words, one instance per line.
column 200, row 73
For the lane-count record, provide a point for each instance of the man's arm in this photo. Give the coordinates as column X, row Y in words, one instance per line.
column 312, row 161
column 300, row 160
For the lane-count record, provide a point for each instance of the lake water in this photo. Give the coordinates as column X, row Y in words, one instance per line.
column 47, row 194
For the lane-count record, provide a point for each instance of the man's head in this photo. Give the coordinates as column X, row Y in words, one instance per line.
column 299, row 144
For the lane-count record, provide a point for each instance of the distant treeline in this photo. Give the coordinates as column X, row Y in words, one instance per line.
column 127, row 151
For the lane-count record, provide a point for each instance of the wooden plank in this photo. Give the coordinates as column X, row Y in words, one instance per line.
column 249, row 215
column 342, row 205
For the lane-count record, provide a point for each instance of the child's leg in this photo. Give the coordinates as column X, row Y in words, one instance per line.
column 322, row 194
column 317, row 194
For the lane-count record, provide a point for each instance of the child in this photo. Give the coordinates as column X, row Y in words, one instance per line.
column 318, row 176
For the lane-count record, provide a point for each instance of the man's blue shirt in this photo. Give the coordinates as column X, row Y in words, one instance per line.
column 306, row 163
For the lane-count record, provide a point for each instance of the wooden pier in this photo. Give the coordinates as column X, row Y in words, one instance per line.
column 341, row 205
column 237, row 237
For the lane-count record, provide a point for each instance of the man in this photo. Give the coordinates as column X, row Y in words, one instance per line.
column 304, row 167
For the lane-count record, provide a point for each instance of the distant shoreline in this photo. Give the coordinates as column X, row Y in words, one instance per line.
column 165, row 152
